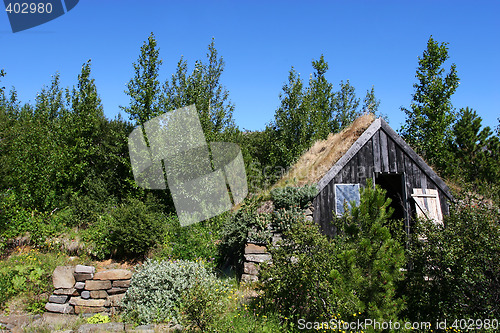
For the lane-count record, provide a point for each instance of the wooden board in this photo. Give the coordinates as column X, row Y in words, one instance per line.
column 391, row 149
column 384, row 153
column 376, row 152
column 427, row 204
column 400, row 164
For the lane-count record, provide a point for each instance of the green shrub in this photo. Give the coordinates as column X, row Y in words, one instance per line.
column 28, row 273
column 98, row 319
column 284, row 219
column 286, row 197
column 135, row 228
column 96, row 238
column 350, row 276
column 204, row 302
column 455, row 272
column 296, row 284
column 259, row 232
column 157, row 287
column 234, row 235
column 18, row 221
column 198, row 240
column 371, row 259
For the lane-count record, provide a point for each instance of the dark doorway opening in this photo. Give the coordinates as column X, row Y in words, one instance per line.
column 393, row 183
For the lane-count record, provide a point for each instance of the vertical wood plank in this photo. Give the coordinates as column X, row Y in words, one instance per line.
column 384, row 153
column 376, row 152
column 400, row 164
column 369, row 166
column 362, row 163
column 423, row 179
column 338, row 178
column 353, row 166
column 316, row 205
column 416, row 176
column 391, row 147
column 330, row 205
column 409, row 185
column 346, row 174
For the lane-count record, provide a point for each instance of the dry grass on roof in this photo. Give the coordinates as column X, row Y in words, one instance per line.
column 323, row 154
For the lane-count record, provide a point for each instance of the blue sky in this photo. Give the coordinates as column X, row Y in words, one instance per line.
column 368, row 42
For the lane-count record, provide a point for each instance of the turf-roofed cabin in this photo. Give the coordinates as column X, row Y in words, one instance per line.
column 370, row 148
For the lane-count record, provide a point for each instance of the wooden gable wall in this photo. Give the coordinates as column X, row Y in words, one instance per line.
column 381, row 151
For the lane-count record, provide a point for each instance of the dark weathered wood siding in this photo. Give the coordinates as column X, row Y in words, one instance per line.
column 384, row 152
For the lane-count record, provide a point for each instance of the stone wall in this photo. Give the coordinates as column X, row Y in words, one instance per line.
column 79, row 289
column 256, row 254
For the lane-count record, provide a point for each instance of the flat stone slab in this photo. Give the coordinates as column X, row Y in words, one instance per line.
column 97, row 285
column 84, row 269
column 83, row 276
column 107, row 327
column 91, row 309
column 254, row 248
column 121, row 283
column 250, row 268
column 59, row 299
column 98, row 294
column 66, row 291
column 257, row 257
column 59, row 308
column 18, row 320
column 87, row 302
column 249, row 278
column 114, row 291
column 63, row 277
column 56, row 320
column 113, row 274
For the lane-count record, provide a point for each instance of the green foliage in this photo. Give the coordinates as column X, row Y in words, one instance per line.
column 234, row 235
column 126, row 230
column 455, row 272
column 203, row 88
column 371, row 258
column 156, row 290
column 27, row 273
column 345, row 106
column 246, row 319
column 307, row 114
column 285, row 219
column 204, row 303
column 430, row 117
column 135, row 228
column 286, row 197
column 98, row 319
column 198, row 240
column 353, row 274
column 475, row 149
column 296, row 285
column 259, row 232
column 18, row 221
column 144, row 87
column 36, row 306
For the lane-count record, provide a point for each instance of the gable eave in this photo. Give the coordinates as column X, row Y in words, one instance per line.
column 352, row 151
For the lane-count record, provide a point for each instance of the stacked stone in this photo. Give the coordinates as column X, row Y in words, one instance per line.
column 256, row 254
column 80, row 290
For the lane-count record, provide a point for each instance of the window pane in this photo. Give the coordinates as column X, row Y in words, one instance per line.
column 345, row 193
